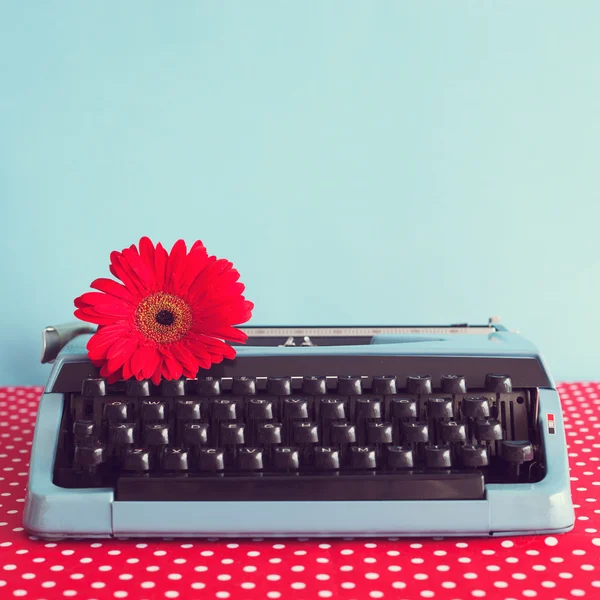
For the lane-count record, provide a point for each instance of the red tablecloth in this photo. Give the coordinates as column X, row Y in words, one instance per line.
column 548, row 567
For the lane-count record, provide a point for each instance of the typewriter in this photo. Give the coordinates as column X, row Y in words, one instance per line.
column 311, row 431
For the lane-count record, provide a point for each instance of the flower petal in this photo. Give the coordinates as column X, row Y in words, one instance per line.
column 109, row 286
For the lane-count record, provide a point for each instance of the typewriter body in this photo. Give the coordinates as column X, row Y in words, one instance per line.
column 314, row 431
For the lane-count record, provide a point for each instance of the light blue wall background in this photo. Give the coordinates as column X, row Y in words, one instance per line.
column 360, row 162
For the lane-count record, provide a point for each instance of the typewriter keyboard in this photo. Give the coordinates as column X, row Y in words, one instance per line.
column 299, row 438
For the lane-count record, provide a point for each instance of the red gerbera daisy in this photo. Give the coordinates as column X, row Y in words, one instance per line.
column 170, row 316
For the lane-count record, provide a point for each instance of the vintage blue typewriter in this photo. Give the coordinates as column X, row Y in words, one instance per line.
column 320, row 431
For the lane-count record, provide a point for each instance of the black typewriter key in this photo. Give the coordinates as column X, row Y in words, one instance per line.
column 250, row 459
column 327, row 459
column 223, row 409
column 93, row 386
column 295, row 408
column 332, row 409
column 138, row 388
column 305, row 432
column 188, row 410
column 208, row 386
column 137, row 460
column 488, row 430
column 243, row 386
column 453, row 432
column 349, row 385
column 195, row 434
column 173, row 388
column 343, row 434
column 174, row 459
column 259, row 408
column 89, row 456
column 211, row 459
column 475, row 408
column 115, row 411
column 279, row 386
column 516, row 451
column 368, row 408
column 286, row 459
column 379, row 433
column 414, row 432
column 314, row 386
column 403, row 408
column 400, row 457
column 156, row 434
column 454, row 384
column 121, row 434
column 418, row 384
column 232, row 434
column 384, row 384
column 362, row 457
column 474, row 456
column 439, row 408
column 269, row 434
column 499, row 384
column 438, row 457
column 153, row 410
column 83, row 430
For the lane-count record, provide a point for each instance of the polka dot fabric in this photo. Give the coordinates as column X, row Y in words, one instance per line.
column 548, row 567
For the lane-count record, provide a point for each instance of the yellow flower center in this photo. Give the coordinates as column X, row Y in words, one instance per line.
column 163, row 318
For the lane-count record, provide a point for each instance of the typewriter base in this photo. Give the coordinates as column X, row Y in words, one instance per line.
column 508, row 509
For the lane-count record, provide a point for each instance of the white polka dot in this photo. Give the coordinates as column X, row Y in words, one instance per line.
column 398, row 585
column 273, row 594
column 98, row 585
column 9, row 567
column 272, row 577
column 147, row 585
column 299, row 585
column 376, row 594
column 470, row 575
column 548, row 584
column 500, row 584
column 565, row 575
column 222, row 594
column 347, row 585
column 177, row 576
column 325, row 594
column 507, row 544
column 171, row 594
column 478, row 593
column 551, row 541
column 443, row 568
column 347, row 551
column 77, row 576
column 427, row 594
column 297, row 568
column 346, row 568
column 587, row 567
column 529, row 593
column 372, row 575
column 254, row 553
column 577, row 592
column 20, row 593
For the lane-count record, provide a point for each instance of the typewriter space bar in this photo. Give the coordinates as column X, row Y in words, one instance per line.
column 453, row 485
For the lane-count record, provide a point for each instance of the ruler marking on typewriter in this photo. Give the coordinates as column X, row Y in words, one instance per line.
column 364, row 331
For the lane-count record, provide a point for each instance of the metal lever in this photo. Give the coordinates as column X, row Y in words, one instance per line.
column 55, row 338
